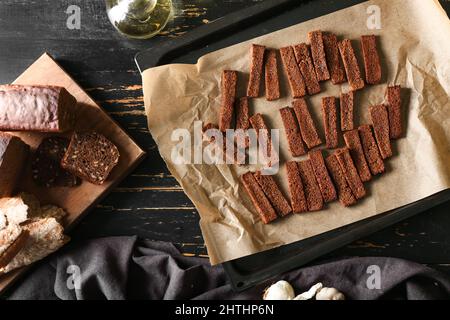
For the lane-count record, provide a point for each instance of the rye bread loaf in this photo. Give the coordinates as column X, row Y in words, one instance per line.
column 13, row 155
column 90, row 156
column 36, row 108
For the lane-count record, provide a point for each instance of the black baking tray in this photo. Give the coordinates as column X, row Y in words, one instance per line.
column 243, row 25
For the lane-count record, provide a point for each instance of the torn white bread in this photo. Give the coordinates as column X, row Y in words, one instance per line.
column 19, row 209
column 46, row 236
column 3, row 221
column 50, row 211
column 13, row 239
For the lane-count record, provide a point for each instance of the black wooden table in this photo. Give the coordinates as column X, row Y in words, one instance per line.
column 150, row 203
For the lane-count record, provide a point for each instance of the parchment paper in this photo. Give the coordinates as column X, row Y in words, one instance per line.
column 415, row 49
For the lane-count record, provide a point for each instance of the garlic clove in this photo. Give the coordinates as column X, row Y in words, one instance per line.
column 329, row 294
column 280, row 290
column 310, row 293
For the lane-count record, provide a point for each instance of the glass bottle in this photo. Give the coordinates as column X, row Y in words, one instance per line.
column 139, row 19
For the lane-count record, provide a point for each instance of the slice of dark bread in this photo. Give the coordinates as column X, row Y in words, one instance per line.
column 46, row 164
column 90, row 156
column 13, row 156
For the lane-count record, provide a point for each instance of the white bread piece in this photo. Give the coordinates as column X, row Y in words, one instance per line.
column 12, row 240
column 19, row 209
column 46, row 236
column 3, row 222
column 51, row 211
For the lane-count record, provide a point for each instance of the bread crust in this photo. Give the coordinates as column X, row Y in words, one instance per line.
column 16, row 246
column 296, row 189
column 13, row 156
column 350, row 173
column 351, row 66
column 353, row 143
column 273, row 193
column 346, row 105
column 258, row 198
column 307, row 128
column 295, row 78
column 228, row 90
column 256, row 70
column 292, row 130
column 345, row 195
column 371, row 150
column 318, row 55
column 303, row 57
column 322, row 176
column 271, row 76
column 371, row 57
column 380, row 120
column 337, row 72
column 395, row 111
column 329, row 117
column 311, row 187
column 36, row 108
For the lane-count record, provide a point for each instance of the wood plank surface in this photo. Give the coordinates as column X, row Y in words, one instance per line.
column 149, row 203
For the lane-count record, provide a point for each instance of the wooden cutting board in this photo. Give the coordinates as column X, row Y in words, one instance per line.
column 78, row 200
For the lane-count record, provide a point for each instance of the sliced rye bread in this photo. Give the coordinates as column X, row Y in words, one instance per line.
column 45, row 237
column 90, row 156
column 13, row 156
column 12, row 240
column 46, row 164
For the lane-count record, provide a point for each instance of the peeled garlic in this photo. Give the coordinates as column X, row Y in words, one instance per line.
column 280, row 290
column 329, row 294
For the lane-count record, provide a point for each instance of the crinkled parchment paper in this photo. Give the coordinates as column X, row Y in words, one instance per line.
column 415, row 49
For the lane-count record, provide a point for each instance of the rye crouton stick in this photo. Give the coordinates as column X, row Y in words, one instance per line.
column 258, row 198
column 353, row 143
column 306, row 123
column 351, row 66
column 329, row 116
column 292, row 130
column 256, row 70
column 395, row 112
column 306, row 66
column 295, row 79
column 380, row 121
column 322, row 176
column 346, row 104
column 296, row 189
column 371, row 150
column 271, row 76
column 229, row 82
column 372, row 63
column 312, row 191
column 318, row 55
column 350, row 173
column 346, row 197
column 274, row 194
column 335, row 66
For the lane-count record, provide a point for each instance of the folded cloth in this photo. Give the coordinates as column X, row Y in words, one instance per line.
column 128, row 268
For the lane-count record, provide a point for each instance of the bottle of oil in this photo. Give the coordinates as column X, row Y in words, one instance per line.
column 140, row 19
